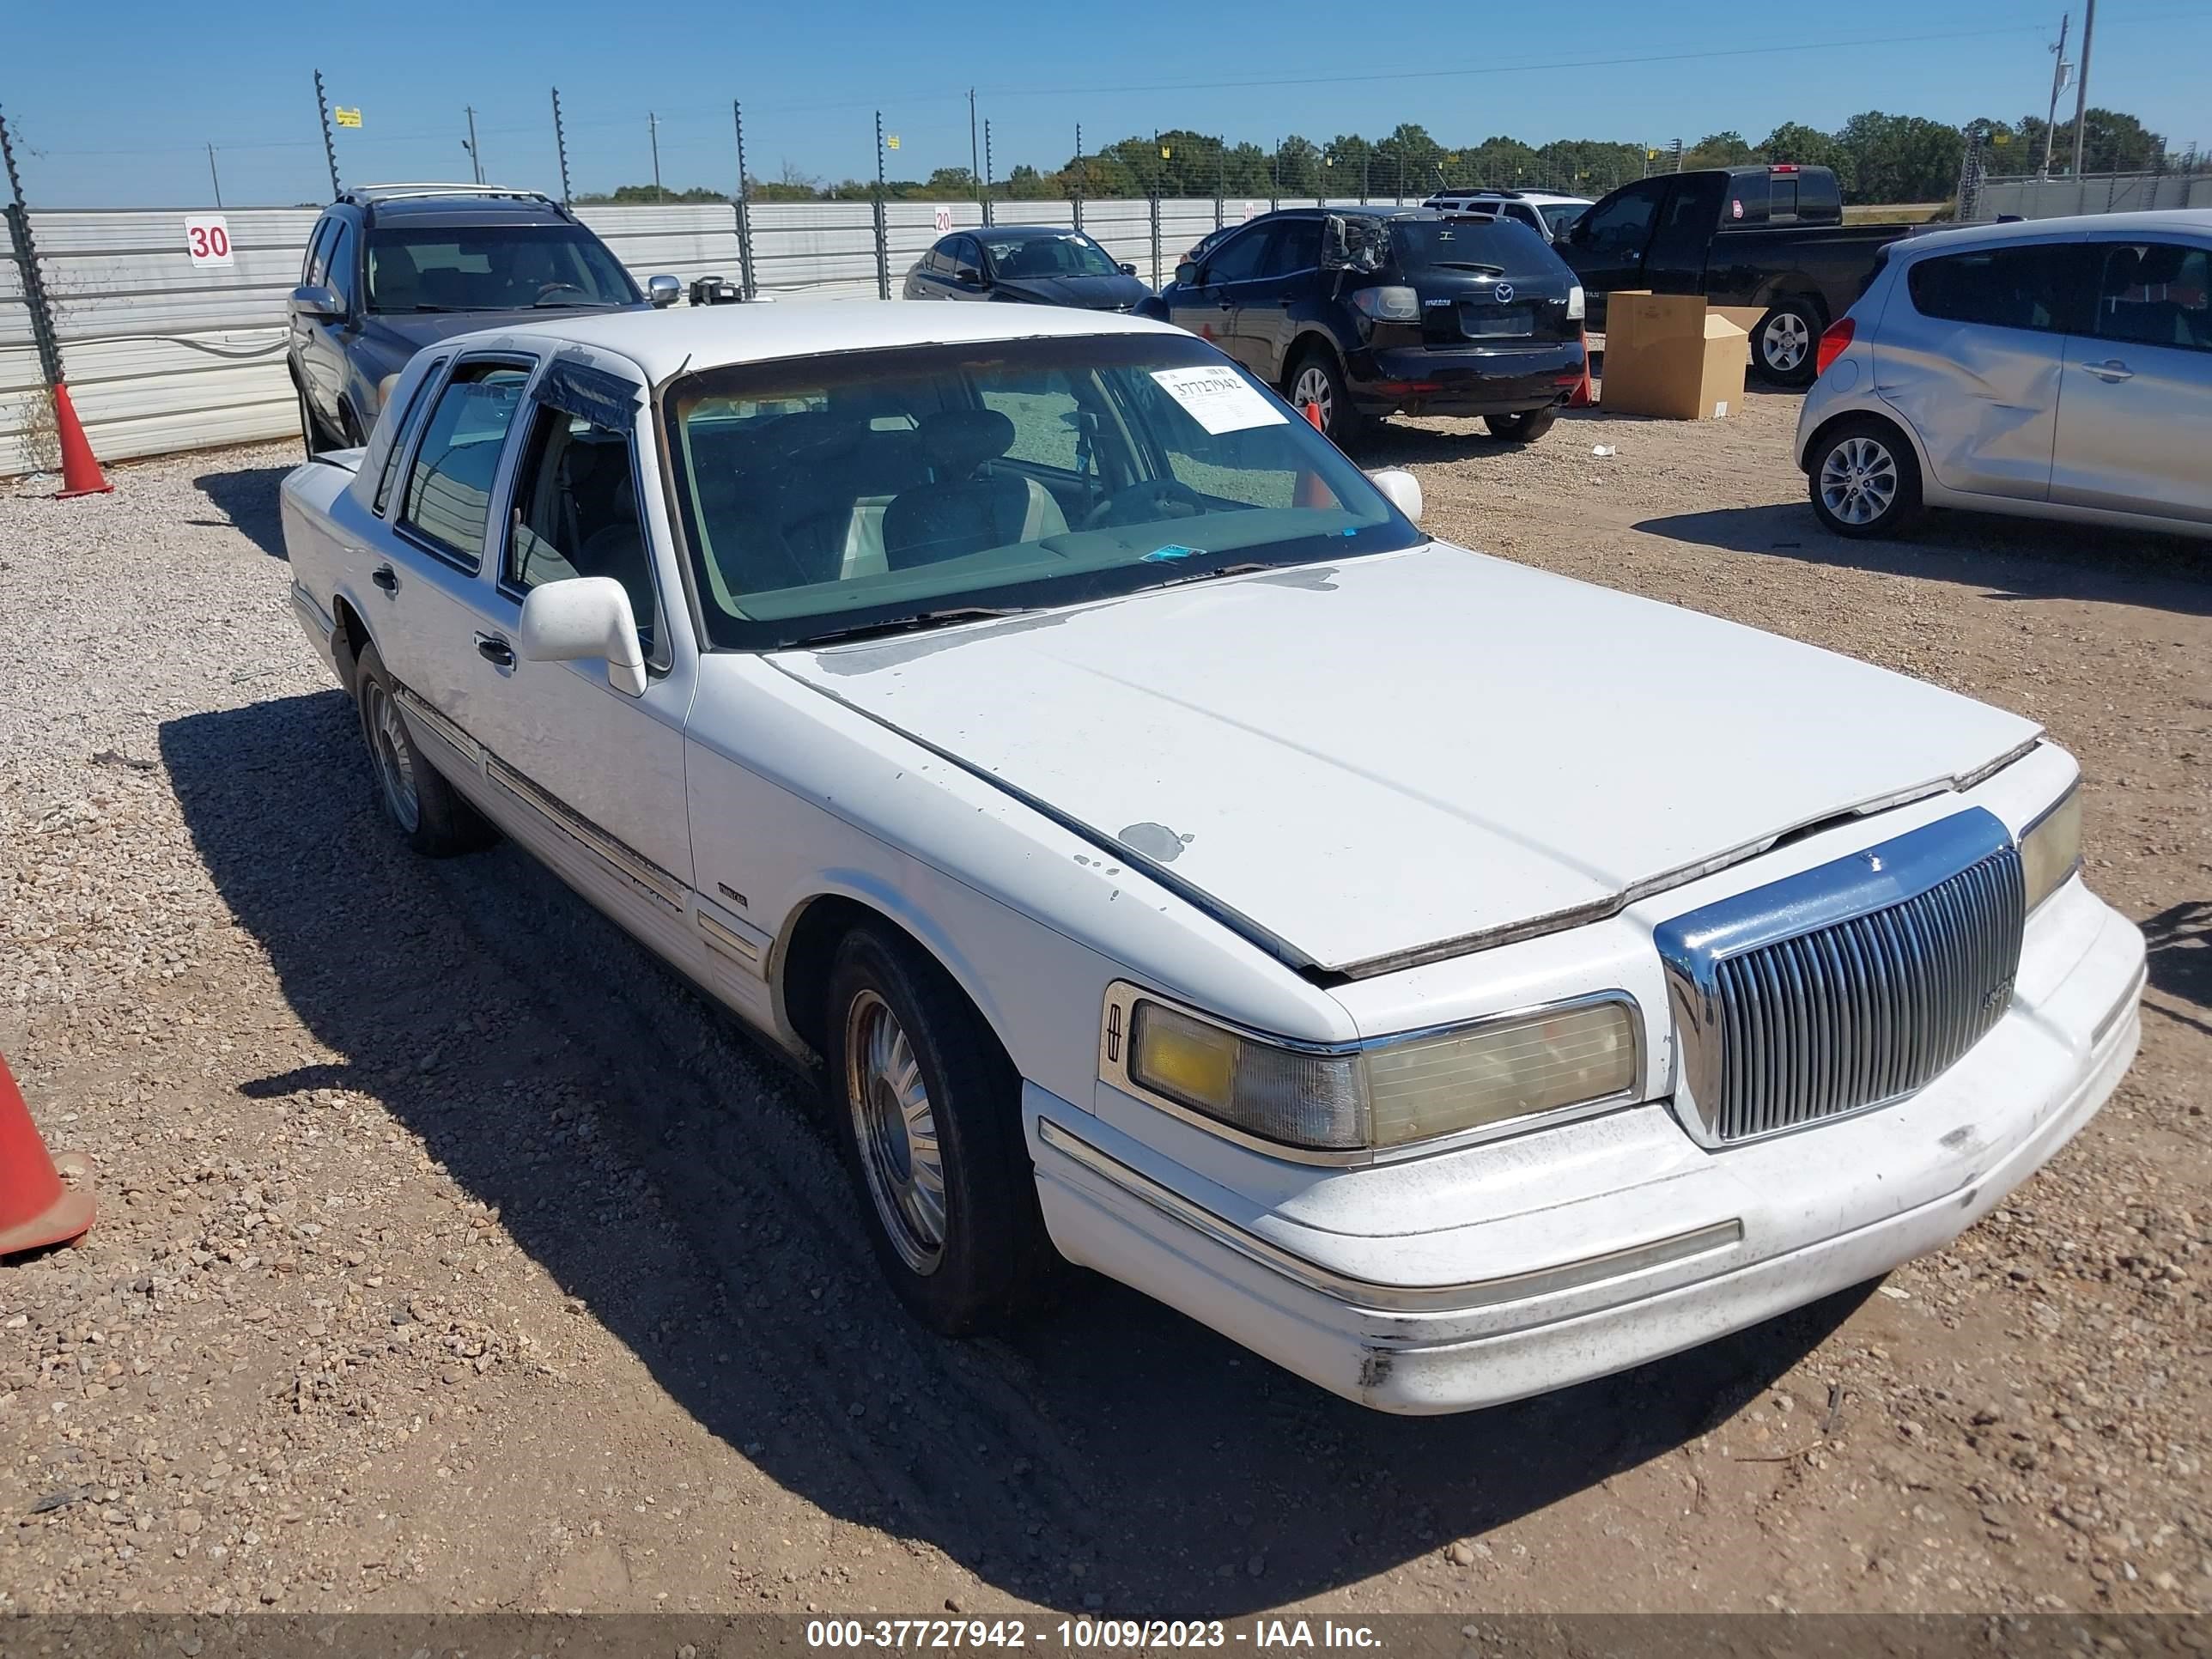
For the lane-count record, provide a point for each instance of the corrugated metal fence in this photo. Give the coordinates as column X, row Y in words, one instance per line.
column 163, row 355
column 2094, row 192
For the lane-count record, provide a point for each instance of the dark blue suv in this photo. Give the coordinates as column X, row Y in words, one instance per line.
column 394, row 268
column 1373, row 311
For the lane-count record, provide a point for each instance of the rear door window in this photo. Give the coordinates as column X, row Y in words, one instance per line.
column 1296, row 247
column 447, row 503
column 2040, row 287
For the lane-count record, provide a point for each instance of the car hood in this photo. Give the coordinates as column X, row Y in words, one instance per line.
column 1115, row 293
column 408, row 332
column 1409, row 755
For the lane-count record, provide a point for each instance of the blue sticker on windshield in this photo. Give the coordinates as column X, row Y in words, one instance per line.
column 1171, row 552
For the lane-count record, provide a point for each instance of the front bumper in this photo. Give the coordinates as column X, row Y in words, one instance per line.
column 1470, row 380
column 1541, row 1297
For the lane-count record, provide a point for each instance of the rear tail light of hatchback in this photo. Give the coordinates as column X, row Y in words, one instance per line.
column 1835, row 340
column 1388, row 305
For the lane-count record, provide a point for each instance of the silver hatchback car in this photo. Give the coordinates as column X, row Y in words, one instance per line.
column 2060, row 369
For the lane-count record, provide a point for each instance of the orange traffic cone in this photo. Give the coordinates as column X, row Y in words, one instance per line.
column 1584, row 394
column 81, row 473
column 35, row 1208
column 1313, row 413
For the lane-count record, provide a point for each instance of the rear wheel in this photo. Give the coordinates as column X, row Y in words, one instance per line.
column 928, row 1108
column 1526, row 426
column 1315, row 381
column 422, row 805
column 1864, row 479
column 1784, row 347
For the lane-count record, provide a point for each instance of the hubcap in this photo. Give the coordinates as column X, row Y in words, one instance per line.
column 1312, row 387
column 1858, row 480
column 1786, row 341
column 393, row 755
column 896, row 1131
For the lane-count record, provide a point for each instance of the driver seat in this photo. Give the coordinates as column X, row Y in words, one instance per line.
column 966, row 508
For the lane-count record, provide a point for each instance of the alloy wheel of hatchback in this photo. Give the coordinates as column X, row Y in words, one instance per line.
column 1785, row 342
column 1312, row 387
column 393, row 754
column 1859, row 481
column 895, row 1127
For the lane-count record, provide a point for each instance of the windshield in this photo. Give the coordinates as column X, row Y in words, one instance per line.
column 1499, row 245
column 1069, row 255
column 824, row 496
column 1558, row 215
column 492, row 268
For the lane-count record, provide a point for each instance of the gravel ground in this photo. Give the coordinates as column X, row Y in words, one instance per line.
column 435, row 1274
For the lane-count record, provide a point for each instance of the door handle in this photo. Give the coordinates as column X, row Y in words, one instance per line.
column 2111, row 370
column 493, row 649
column 385, row 578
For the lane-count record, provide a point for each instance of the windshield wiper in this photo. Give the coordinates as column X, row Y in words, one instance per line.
column 1208, row 576
column 908, row 625
column 1467, row 265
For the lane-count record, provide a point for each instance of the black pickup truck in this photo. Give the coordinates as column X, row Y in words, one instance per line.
column 1771, row 236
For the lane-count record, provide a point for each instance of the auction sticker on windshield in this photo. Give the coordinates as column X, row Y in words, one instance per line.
column 1218, row 399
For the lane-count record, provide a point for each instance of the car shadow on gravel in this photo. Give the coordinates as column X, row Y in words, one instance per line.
column 246, row 497
column 2005, row 558
column 679, row 1186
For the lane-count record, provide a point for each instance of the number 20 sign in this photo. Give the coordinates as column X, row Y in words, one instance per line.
column 207, row 238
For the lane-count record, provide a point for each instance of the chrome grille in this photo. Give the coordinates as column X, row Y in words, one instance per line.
column 1848, row 986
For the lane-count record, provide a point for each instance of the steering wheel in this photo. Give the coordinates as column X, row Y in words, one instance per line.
column 1143, row 503
column 552, row 288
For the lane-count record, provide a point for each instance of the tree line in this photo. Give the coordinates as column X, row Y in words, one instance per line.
column 1877, row 157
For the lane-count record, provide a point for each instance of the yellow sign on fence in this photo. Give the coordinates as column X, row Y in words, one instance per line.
column 346, row 118
column 891, row 142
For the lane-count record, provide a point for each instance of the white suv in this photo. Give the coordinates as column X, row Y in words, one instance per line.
column 1541, row 211
column 2055, row 369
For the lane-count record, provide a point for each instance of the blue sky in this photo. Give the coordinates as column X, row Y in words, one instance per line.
column 111, row 104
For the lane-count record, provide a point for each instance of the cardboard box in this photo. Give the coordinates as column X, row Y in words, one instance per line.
column 1746, row 318
column 1666, row 355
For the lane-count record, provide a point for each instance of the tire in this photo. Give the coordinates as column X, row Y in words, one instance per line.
column 1524, row 428
column 426, row 809
column 928, row 1111
column 1785, row 347
column 1863, row 478
column 312, row 436
column 1314, row 377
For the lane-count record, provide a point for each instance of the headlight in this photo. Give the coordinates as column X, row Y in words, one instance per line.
column 2050, row 849
column 1379, row 1095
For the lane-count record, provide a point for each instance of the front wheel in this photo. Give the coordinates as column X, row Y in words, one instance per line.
column 1526, row 426
column 1864, row 479
column 311, row 429
column 1316, row 383
column 1784, row 348
column 928, row 1108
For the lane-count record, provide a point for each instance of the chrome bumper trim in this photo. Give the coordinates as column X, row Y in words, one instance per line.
column 1366, row 1294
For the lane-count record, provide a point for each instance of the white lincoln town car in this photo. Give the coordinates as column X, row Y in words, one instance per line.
column 1447, row 980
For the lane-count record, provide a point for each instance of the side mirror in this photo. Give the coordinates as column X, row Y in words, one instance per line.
column 1185, row 275
column 1401, row 487
column 663, row 291
column 316, row 300
column 1128, row 270
column 585, row 619
column 970, row 277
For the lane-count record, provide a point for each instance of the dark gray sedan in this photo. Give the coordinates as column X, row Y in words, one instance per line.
column 1029, row 264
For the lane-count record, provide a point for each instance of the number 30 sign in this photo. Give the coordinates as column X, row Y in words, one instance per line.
column 207, row 238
